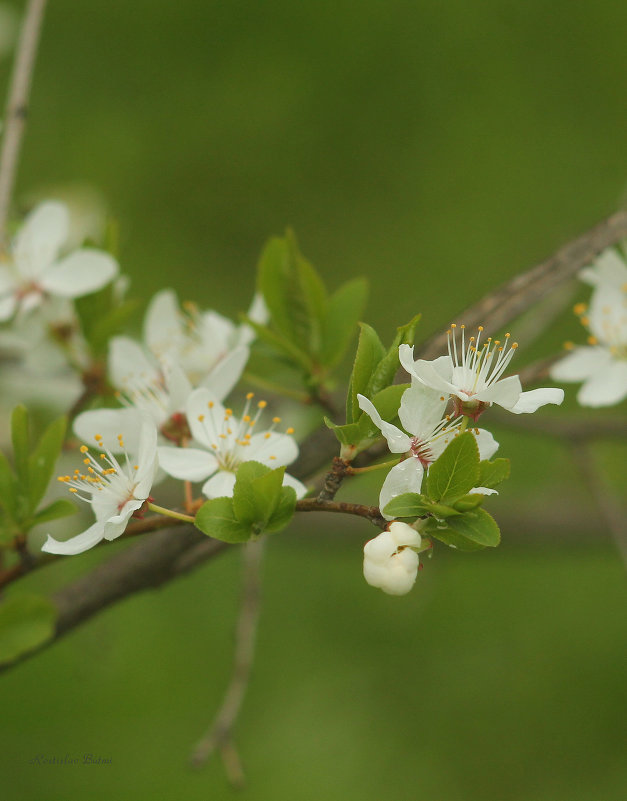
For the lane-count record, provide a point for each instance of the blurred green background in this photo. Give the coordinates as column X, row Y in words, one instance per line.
column 438, row 148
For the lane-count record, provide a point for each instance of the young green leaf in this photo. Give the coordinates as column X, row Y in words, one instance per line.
column 383, row 375
column 8, row 486
column 370, row 351
column 344, row 309
column 26, row 622
column 21, row 443
column 42, row 460
column 354, row 436
column 284, row 510
column 281, row 344
column 409, row 504
column 216, row 518
column 470, row 531
column 456, row 471
column 257, row 493
column 469, row 502
column 492, row 473
column 388, row 401
column 53, row 511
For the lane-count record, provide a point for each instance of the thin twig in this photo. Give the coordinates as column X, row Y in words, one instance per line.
column 370, row 513
column 219, row 736
column 608, row 505
column 333, row 479
column 17, row 106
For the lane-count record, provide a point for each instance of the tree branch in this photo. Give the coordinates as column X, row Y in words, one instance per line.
column 517, row 295
column 17, row 105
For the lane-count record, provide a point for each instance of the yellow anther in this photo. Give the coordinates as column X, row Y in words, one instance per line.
column 60, row 478
column 210, row 405
column 453, row 325
column 103, row 456
column 86, row 461
column 276, row 419
column 514, row 345
column 479, row 328
column 569, row 345
column 90, row 469
column 271, row 457
column 228, row 412
column 135, row 467
column 267, row 436
column 593, row 341
column 579, row 308
column 246, row 436
column 262, row 404
column 250, row 396
column 290, row 430
column 201, row 417
column 229, row 431
column 98, row 437
column 83, row 449
column 441, row 397
column 73, row 489
column 246, row 418
column 585, row 320
column 462, row 326
column 222, row 436
column 215, row 447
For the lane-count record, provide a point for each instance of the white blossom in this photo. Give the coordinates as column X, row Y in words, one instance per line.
column 472, row 375
column 421, row 414
column 115, row 488
column 225, row 443
column 390, row 563
column 601, row 364
column 35, row 270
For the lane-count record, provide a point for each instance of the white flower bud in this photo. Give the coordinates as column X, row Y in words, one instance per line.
column 389, row 561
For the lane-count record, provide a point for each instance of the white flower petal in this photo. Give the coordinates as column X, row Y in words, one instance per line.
column 82, row 542
column 162, row 323
column 488, row 446
column 404, row 534
column 220, row 486
column 532, row 400
column 608, row 268
column 504, row 392
column 8, row 304
column 275, row 450
column 109, row 423
column 403, row 477
column 178, row 387
column 114, row 526
column 421, row 409
column 398, row 441
column 203, row 404
column 483, row 491
column 147, row 462
column 40, row 238
column 580, row 364
column 227, row 372
column 380, row 548
column 606, row 387
column 187, row 464
column 258, row 313
column 127, row 360
column 295, row 484
column 80, row 273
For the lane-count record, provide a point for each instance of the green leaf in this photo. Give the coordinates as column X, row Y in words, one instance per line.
column 354, row 435
column 469, row 502
column 344, row 309
column 456, row 471
column 387, row 368
column 470, row 531
column 293, row 292
column 388, row 401
column 8, row 486
column 54, row 511
column 21, row 443
column 492, row 473
column 280, row 343
column 26, row 622
column 43, row 459
column 284, row 510
column 370, row 351
column 216, row 518
column 257, row 493
column 409, row 504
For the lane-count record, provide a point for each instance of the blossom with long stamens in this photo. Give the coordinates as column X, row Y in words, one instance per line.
column 601, row 364
column 472, row 373
column 421, row 414
column 608, row 269
column 35, row 271
column 226, row 442
column 115, row 488
column 390, row 561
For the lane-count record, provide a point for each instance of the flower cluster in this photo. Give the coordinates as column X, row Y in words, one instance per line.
column 601, row 364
